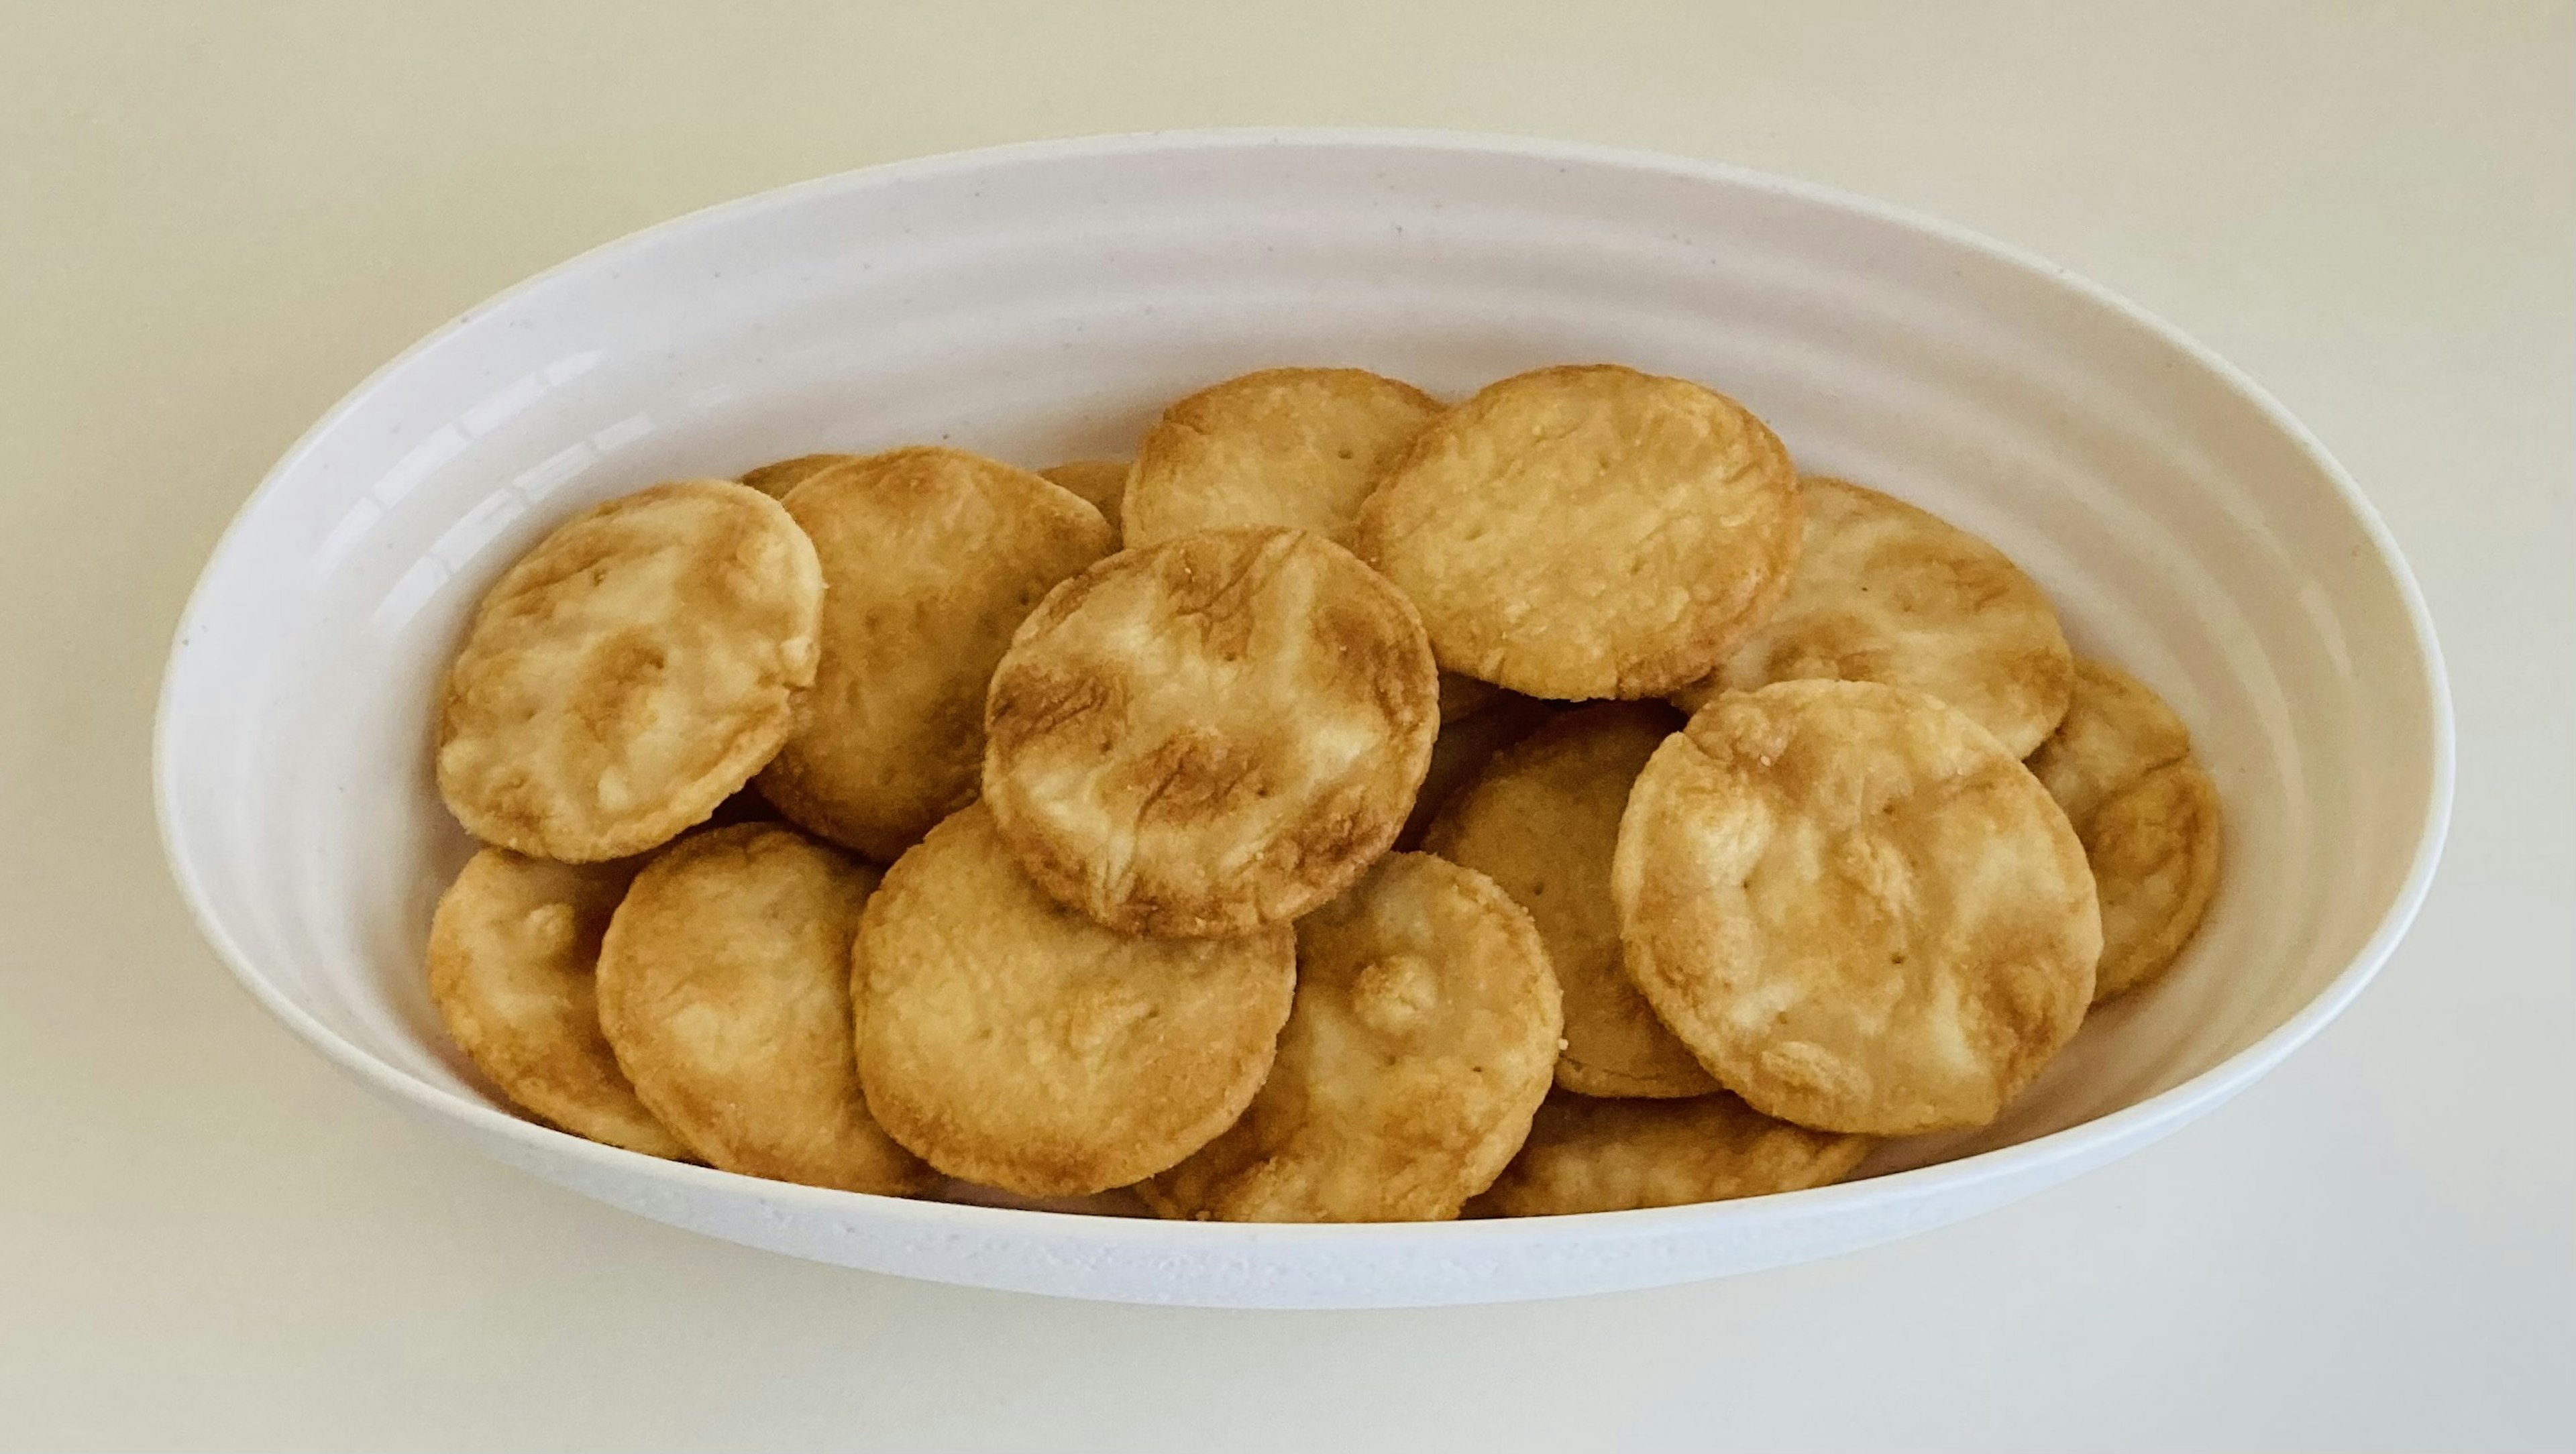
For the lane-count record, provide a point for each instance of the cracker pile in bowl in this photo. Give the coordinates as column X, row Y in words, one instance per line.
column 1355, row 808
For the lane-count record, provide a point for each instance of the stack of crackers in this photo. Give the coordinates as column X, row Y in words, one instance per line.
column 1355, row 808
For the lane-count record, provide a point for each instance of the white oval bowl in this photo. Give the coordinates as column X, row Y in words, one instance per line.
column 1041, row 303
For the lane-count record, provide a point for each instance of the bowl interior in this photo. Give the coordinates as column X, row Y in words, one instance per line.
column 1040, row 304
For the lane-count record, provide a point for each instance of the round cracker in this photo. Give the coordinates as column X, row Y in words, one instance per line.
column 1102, row 483
column 1211, row 734
column 1855, row 907
column 1588, row 531
column 775, row 480
column 513, row 962
column 1295, row 447
column 1014, row 1043
column 2147, row 814
column 630, row 672
column 1423, row 1039
column 724, row 986
column 2116, row 731
column 1886, row 592
column 934, row 556
column 1542, row 821
column 1586, row 1155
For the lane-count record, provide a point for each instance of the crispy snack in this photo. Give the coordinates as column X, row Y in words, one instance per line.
column 775, row 480
column 1885, row 592
column 629, row 672
column 933, row 556
column 1588, row 531
column 1425, row 1030
column 1855, row 907
column 2116, row 731
column 1586, row 1155
column 1462, row 750
column 513, row 952
column 1102, row 482
column 1012, row 1042
column 724, row 985
column 1298, row 447
column 2121, row 767
column 1211, row 734
column 1542, row 820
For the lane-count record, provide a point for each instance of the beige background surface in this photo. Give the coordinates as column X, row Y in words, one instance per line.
column 214, row 220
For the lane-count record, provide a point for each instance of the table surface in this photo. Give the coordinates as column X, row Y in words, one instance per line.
column 219, row 218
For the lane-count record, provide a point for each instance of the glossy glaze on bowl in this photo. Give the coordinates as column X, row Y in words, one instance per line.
column 1041, row 303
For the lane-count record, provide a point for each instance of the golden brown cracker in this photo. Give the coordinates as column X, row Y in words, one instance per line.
column 1423, row 1037
column 1887, row 592
column 1210, row 734
column 1588, row 531
column 1542, row 820
column 1855, row 907
column 1295, row 447
column 629, row 672
column 724, row 986
column 933, row 556
column 1101, row 482
column 513, row 958
column 1587, row 1155
column 1462, row 750
column 1014, row 1043
column 2116, row 731
column 2148, row 816
column 775, row 480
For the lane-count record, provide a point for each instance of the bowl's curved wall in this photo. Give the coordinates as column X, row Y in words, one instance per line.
column 1041, row 303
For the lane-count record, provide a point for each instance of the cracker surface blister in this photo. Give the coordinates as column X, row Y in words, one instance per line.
column 1014, row 1043
column 724, row 987
column 1542, row 820
column 1855, row 907
column 1299, row 447
column 630, row 672
column 1587, row 1155
column 1588, row 531
column 1211, row 734
column 2121, row 765
column 933, row 557
column 1423, row 1039
column 513, row 963
column 1886, row 592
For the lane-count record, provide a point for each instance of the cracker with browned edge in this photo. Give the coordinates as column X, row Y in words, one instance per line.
column 1014, row 1043
column 630, row 672
column 933, row 556
column 1298, row 447
column 1888, row 592
column 513, row 961
column 2121, row 765
column 1855, row 907
column 1211, row 734
column 1102, row 482
column 1542, row 820
column 724, row 987
column 1424, row 1034
column 1588, row 531
column 1587, row 1155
